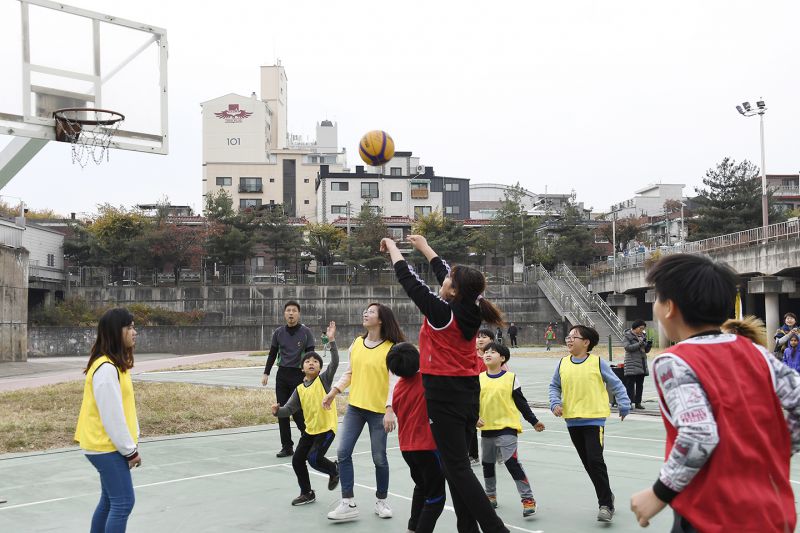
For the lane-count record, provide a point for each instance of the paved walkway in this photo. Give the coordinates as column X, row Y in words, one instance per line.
column 50, row 370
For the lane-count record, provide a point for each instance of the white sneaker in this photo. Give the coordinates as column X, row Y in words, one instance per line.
column 346, row 510
column 382, row 509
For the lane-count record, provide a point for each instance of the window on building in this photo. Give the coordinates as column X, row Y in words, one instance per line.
column 51, row 260
column 451, row 187
column 272, row 180
column 421, row 210
column 224, row 181
column 340, row 186
column 452, row 209
column 397, row 197
column 396, row 171
column 306, row 202
column 396, row 233
column 419, row 190
column 375, row 210
column 338, row 209
column 250, row 185
column 272, row 202
column 249, row 203
column 369, row 189
column 305, row 180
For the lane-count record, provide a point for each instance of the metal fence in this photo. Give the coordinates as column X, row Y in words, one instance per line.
column 742, row 239
column 245, row 275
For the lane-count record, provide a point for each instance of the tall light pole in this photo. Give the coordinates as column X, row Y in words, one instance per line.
column 746, row 110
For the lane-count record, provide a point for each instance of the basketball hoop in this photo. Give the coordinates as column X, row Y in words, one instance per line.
column 88, row 130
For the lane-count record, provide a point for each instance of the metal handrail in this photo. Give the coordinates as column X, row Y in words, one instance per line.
column 774, row 232
column 592, row 299
column 566, row 301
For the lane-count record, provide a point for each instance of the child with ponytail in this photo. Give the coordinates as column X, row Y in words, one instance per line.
column 450, row 371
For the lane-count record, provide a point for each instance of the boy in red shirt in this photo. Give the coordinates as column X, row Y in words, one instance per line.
column 416, row 440
column 722, row 399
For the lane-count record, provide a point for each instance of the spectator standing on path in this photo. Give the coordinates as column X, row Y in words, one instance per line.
column 791, row 356
column 636, row 349
column 512, row 334
column 289, row 344
column 782, row 334
column 549, row 336
column 498, row 336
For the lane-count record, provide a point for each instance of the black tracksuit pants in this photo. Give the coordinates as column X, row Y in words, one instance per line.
column 429, row 495
column 286, row 382
column 312, row 448
column 634, row 385
column 588, row 441
column 452, row 425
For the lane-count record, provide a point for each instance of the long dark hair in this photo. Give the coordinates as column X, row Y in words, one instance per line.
column 390, row 329
column 109, row 339
column 469, row 285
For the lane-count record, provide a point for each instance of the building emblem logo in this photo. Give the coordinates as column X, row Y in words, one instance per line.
column 233, row 114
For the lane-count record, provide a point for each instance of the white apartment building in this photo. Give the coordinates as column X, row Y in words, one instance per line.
column 649, row 201
column 249, row 153
column 400, row 188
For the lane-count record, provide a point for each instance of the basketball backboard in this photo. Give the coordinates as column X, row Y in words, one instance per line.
column 56, row 56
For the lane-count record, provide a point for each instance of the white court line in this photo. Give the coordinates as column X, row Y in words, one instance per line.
column 166, row 482
column 607, row 436
column 197, row 370
column 446, row 507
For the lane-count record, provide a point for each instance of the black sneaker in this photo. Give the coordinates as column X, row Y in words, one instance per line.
column 308, row 497
column 285, row 452
column 333, row 481
column 639, row 406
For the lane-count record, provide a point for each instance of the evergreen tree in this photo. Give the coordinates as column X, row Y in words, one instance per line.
column 445, row 235
column 575, row 242
column 324, row 242
column 283, row 240
column 730, row 200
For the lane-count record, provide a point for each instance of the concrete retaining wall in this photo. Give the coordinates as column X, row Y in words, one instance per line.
column 249, row 315
column 13, row 304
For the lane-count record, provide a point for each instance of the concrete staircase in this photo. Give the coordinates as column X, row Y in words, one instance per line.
column 574, row 301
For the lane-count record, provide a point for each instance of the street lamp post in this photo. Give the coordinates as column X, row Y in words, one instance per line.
column 746, row 110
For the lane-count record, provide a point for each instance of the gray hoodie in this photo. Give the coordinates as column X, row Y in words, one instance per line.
column 635, row 354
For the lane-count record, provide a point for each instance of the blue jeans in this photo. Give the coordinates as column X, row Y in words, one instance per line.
column 116, row 496
column 352, row 424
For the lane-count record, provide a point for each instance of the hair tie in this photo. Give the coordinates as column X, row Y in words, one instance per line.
column 478, row 299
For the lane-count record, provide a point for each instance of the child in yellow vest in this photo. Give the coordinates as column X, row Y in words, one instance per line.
column 501, row 404
column 578, row 393
column 321, row 424
column 108, row 428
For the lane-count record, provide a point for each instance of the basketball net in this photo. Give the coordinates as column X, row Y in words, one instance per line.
column 89, row 131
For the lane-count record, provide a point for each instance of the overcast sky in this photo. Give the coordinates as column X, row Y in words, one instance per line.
column 600, row 97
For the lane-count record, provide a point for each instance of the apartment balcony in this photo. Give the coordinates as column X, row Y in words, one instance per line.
column 251, row 188
column 419, row 194
column 785, row 190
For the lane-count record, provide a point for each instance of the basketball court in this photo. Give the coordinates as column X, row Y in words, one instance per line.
column 231, row 480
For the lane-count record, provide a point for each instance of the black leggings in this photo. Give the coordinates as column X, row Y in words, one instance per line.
column 588, row 441
column 452, row 425
column 286, row 382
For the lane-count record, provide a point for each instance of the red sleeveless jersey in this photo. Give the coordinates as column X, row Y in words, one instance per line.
column 744, row 486
column 445, row 351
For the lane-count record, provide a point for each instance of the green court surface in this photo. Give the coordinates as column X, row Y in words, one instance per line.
column 226, row 481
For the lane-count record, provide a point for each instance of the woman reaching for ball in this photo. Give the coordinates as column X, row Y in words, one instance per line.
column 450, row 371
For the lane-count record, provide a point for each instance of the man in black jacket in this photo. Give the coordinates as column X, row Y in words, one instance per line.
column 512, row 334
column 289, row 344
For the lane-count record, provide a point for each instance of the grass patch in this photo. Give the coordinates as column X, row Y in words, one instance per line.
column 258, row 354
column 45, row 417
column 222, row 363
